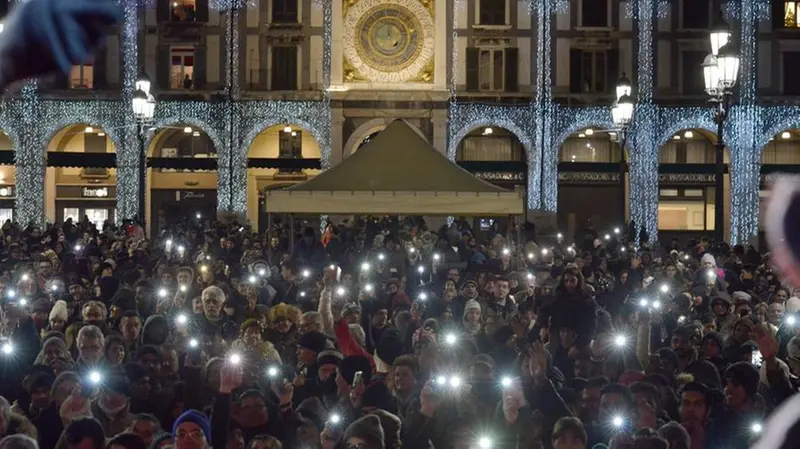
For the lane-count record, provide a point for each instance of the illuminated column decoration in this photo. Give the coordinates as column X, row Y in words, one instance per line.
column 29, row 158
column 128, row 152
column 643, row 196
column 745, row 125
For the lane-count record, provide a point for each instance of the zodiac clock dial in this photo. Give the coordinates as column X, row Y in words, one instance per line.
column 388, row 41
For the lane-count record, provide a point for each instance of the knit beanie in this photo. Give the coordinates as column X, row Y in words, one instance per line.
column 378, row 395
column 41, row 305
column 329, row 357
column 390, row 347
column 59, row 311
column 313, row 341
column 745, row 375
column 708, row 258
column 193, row 416
column 471, row 304
column 368, row 429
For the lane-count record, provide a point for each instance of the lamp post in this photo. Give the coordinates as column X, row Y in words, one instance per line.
column 622, row 115
column 720, row 72
column 144, row 106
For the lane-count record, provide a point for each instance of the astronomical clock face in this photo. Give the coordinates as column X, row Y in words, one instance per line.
column 388, row 41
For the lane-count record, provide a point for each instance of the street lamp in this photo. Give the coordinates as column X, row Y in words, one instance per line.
column 720, row 72
column 622, row 116
column 144, row 106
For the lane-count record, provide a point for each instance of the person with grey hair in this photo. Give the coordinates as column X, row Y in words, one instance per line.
column 90, row 343
column 214, row 299
column 311, row 321
column 18, row 442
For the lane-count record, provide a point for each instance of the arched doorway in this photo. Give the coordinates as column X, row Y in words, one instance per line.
column 780, row 155
column 590, row 196
column 182, row 176
column 686, row 187
column 281, row 155
column 8, row 181
column 495, row 155
column 81, row 176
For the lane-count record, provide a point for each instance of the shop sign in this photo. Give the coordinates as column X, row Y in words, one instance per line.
column 92, row 192
column 189, row 195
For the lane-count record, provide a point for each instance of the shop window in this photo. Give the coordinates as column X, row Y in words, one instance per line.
column 790, row 14
column 72, row 212
column 290, row 146
column 6, row 214
column 182, row 68
column 492, row 12
column 490, row 148
column 284, row 11
column 183, row 11
column 97, row 217
column 589, row 150
column 686, row 209
column 82, row 76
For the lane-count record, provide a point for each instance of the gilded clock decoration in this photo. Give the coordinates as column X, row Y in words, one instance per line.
column 388, row 41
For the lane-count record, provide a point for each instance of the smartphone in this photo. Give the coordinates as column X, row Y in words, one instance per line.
column 358, row 379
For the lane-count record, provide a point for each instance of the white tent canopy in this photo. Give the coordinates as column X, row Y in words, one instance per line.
column 396, row 173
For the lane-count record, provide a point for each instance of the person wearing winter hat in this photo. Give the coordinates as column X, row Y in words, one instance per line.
column 392, row 427
column 192, row 430
column 309, row 346
column 364, row 433
column 741, row 386
column 57, row 320
column 378, row 397
column 472, row 317
column 389, row 348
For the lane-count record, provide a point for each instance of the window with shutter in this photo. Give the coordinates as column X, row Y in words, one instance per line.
column 492, row 12
column 512, row 67
column 182, row 68
column 790, row 14
column 183, row 10
column 284, row 67
column 791, row 73
column 696, row 14
column 82, row 76
column 473, row 67
column 285, row 11
column 590, row 71
column 692, row 72
column 491, row 72
column 594, row 13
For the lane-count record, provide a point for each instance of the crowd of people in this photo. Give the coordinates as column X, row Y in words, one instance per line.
column 379, row 333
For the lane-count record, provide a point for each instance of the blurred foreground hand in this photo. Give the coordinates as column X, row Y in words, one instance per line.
column 47, row 36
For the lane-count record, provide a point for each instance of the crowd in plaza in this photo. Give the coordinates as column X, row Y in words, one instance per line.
column 379, row 333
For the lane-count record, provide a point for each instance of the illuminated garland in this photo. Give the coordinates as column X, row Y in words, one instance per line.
column 541, row 127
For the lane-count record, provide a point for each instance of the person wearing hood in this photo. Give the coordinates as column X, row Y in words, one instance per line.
column 573, row 304
column 712, row 349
